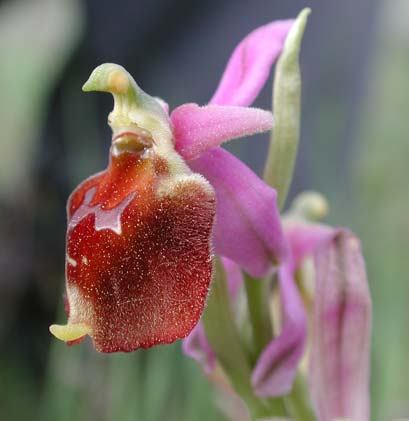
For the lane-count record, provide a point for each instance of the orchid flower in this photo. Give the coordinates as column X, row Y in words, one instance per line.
column 339, row 355
column 339, row 367
column 140, row 233
column 341, row 302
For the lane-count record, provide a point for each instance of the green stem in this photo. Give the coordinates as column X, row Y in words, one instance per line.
column 258, row 296
column 224, row 337
column 287, row 109
column 297, row 401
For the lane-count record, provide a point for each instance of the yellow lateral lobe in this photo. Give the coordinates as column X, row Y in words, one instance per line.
column 70, row 332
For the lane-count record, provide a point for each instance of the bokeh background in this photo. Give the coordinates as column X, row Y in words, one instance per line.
column 354, row 149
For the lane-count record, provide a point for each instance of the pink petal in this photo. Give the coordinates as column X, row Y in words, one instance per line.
column 339, row 373
column 248, row 228
column 276, row 367
column 304, row 238
column 249, row 66
column 197, row 347
column 198, row 129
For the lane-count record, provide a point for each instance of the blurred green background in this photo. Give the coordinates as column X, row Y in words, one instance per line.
column 354, row 149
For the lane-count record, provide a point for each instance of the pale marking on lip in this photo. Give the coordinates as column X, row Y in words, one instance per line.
column 104, row 219
column 71, row 261
column 84, row 260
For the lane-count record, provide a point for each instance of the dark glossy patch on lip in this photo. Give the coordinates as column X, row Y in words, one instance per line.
column 131, row 142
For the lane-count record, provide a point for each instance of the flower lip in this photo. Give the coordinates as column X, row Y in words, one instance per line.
column 135, row 140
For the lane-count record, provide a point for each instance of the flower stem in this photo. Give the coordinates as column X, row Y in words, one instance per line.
column 297, row 401
column 259, row 313
column 224, row 337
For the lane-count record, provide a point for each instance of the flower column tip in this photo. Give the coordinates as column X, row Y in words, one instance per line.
column 108, row 77
column 133, row 108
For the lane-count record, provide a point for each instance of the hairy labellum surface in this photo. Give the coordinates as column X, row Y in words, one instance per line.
column 138, row 254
